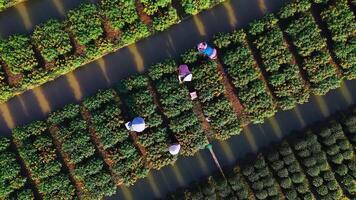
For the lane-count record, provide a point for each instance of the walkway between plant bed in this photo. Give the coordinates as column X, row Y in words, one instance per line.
column 253, row 138
column 103, row 73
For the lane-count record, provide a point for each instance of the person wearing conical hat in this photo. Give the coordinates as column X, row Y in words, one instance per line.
column 137, row 124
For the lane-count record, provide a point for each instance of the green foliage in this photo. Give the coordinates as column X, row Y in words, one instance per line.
column 167, row 19
column 242, row 69
column 312, row 47
column 282, row 74
column 11, row 179
column 296, row 6
column 85, row 23
column 119, row 13
column 340, row 21
column 18, row 54
column 193, row 7
column 51, row 40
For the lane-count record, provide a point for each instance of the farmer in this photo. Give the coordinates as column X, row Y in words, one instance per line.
column 186, row 76
column 137, row 124
column 174, row 147
column 207, row 50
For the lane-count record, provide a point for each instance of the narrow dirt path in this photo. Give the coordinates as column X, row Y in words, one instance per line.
column 79, row 186
column 325, row 32
column 98, row 145
column 231, row 94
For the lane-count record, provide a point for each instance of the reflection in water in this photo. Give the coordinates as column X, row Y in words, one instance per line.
column 323, row 107
column 250, row 138
column 199, row 25
column 225, row 146
column 137, row 58
column 153, row 184
column 178, row 175
column 275, row 127
column 103, row 68
column 299, row 116
column 23, row 12
column 42, row 100
column 262, row 5
column 6, row 115
column 23, row 105
column 59, row 6
column 230, row 13
column 74, row 85
column 346, row 94
column 210, row 147
column 126, row 193
column 202, row 164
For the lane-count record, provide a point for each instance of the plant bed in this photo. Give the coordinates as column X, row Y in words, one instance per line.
column 17, row 58
column 38, row 152
column 79, row 153
column 177, row 107
column 289, row 172
column 340, row 21
column 193, row 7
column 296, row 168
column 215, row 105
column 245, row 75
column 311, row 46
column 280, row 68
column 156, row 137
column 316, row 167
column 161, row 13
column 13, row 184
column 108, row 123
column 340, row 156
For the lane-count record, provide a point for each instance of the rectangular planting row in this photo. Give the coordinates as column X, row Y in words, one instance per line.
column 120, row 154
column 70, row 134
column 340, row 21
column 89, row 32
column 281, row 70
column 211, row 94
column 311, row 46
column 319, row 164
column 14, row 185
column 244, row 73
column 41, row 159
column 177, row 107
column 156, row 137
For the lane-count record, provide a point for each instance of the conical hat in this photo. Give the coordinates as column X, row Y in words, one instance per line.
column 137, row 124
column 174, row 149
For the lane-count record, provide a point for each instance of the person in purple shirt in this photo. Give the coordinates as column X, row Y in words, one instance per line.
column 185, row 76
column 207, row 50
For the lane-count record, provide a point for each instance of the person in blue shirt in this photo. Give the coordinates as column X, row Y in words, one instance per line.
column 205, row 49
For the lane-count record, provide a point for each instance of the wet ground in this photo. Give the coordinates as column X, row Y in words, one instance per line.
column 37, row 103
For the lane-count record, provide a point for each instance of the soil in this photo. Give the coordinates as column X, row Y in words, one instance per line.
column 230, row 93
column 110, row 33
column 198, row 110
column 329, row 43
column 143, row 16
column 298, row 60
column 78, row 48
column 125, row 115
column 99, row 147
column 25, row 171
column 12, row 79
column 176, row 4
column 259, row 66
column 79, row 186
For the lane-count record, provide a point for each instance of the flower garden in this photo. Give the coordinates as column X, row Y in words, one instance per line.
column 83, row 151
